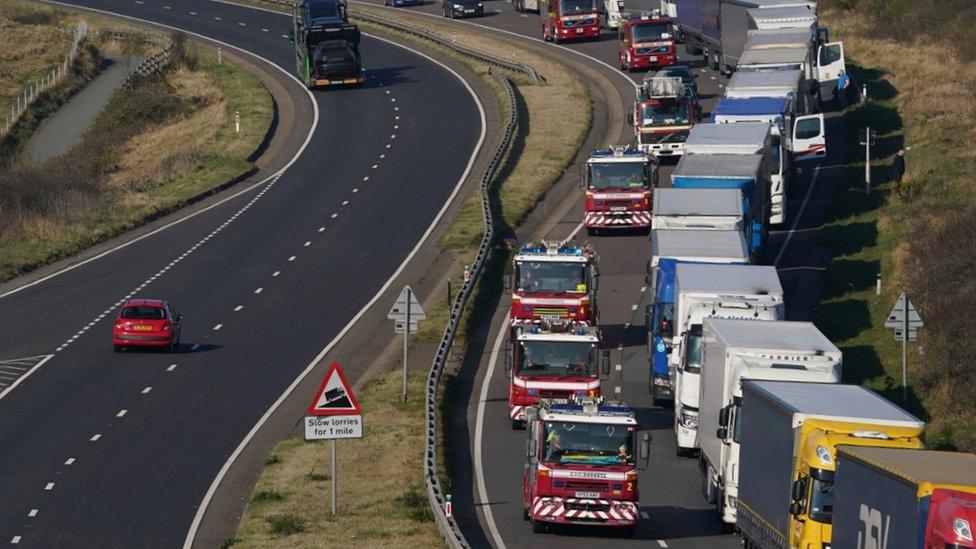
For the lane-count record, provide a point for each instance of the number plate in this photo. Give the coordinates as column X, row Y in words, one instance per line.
column 652, row 58
column 468, row 11
column 142, row 328
column 588, row 495
column 579, row 31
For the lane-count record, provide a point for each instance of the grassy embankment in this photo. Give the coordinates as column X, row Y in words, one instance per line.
column 168, row 138
column 919, row 234
column 392, row 507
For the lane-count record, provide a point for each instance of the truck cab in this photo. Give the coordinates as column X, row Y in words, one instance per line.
column 326, row 45
column 555, row 361
column 554, row 282
column 645, row 41
column 663, row 114
column 618, row 185
column 569, row 20
column 582, row 465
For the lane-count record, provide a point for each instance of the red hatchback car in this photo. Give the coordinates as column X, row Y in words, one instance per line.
column 146, row 323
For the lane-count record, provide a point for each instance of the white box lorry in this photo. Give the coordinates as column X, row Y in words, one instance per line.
column 736, row 350
column 751, row 292
column 701, row 209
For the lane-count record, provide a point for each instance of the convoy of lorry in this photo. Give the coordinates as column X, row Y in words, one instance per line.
column 789, row 456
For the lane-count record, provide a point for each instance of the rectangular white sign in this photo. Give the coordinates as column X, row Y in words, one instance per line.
column 332, row 427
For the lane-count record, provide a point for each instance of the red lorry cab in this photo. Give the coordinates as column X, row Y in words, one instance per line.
column 646, row 42
column 569, row 20
column 554, row 282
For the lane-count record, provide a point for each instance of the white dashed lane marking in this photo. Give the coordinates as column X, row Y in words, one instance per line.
column 259, row 290
column 95, row 437
column 238, row 308
column 171, row 368
column 217, row 327
column 69, row 461
column 49, row 487
column 146, row 390
column 122, row 413
column 15, row 540
column 32, row 513
column 307, row 243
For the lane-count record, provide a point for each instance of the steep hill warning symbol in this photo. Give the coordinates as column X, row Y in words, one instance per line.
column 334, row 396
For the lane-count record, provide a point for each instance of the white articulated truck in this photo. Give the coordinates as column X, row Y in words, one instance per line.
column 737, row 350
column 699, row 209
column 699, row 245
column 785, row 83
column 755, row 137
column 749, row 292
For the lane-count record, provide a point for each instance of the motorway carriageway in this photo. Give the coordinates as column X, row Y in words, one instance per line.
column 674, row 513
column 100, row 449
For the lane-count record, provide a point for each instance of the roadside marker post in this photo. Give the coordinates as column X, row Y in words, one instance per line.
column 905, row 321
column 333, row 414
column 867, row 137
column 407, row 313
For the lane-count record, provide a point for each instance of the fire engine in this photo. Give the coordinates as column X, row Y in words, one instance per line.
column 552, row 282
column 663, row 114
column 646, row 41
column 618, row 185
column 569, row 20
column 555, row 361
column 582, row 466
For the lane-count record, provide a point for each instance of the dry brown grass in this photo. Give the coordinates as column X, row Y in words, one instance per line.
column 382, row 499
column 31, row 44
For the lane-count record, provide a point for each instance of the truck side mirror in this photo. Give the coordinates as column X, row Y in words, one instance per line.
column 531, row 414
column 813, row 87
column 291, row 36
column 649, row 269
column 582, row 182
column 508, row 362
column 722, row 433
column 723, row 417
column 648, row 317
column 507, row 283
column 798, row 490
column 605, row 363
column 645, row 445
column 530, row 446
column 630, row 116
column 796, row 509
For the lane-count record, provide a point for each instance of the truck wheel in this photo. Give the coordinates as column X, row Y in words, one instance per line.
column 539, row 527
column 692, row 48
column 714, row 64
column 681, row 452
column 628, row 532
column 592, row 231
column 525, row 513
column 518, row 425
column 118, row 348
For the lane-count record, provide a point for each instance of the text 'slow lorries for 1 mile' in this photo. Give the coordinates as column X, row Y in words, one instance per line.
column 791, row 433
column 749, row 292
column 887, row 498
column 739, row 350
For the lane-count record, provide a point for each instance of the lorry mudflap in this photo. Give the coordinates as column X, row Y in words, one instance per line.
column 597, row 512
column 617, row 220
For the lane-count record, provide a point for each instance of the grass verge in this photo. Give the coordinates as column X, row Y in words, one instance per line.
column 917, row 234
column 167, row 139
column 382, row 498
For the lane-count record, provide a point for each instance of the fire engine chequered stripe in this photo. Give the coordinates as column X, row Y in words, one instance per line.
column 624, row 512
column 631, row 219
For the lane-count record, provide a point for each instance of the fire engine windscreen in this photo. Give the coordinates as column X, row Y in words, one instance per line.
column 589, row 443
column 556, row 358
column 616, row 175
column 551, row 277
column 650, row 33
column 664, row 113
column 572, row 7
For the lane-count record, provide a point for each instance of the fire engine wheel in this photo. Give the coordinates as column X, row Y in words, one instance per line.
column 118, row 348
column 525, row 514
column 592, row 231
column 539, row 527
column 627, row 532
column 518, row 425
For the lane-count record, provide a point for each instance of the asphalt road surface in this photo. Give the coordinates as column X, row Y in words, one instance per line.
column 99, row 449
column 673, row 511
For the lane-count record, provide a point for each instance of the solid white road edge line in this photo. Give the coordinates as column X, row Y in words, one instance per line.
column 799, row 216
column 478, row 429
column 298, row 154
column 294, row 159
column 202, row 509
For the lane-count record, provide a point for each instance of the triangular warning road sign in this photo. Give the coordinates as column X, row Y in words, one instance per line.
column 334, row 396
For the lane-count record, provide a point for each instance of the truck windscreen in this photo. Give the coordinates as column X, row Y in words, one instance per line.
column 551, row 277
column 664, row 114
column 556, row 358
column 617, row 175
column 588, row 443
column 650, row 32
column 573, row 7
